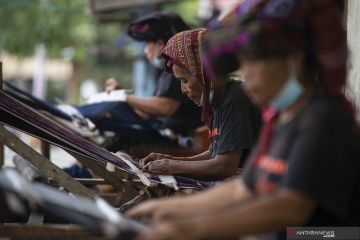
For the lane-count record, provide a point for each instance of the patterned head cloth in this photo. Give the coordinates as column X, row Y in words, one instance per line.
column 156, row 26
column 278, row 28
column 184, row 50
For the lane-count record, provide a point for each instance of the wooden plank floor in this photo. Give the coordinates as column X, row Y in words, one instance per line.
column 46, row 231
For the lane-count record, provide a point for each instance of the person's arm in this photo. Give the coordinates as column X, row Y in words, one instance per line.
column 158, row 156
column 222, row 166
column 231, row 192
column 155, row 106
column 202, row 156
column 287, row 208
column 265, row 214
column 111, row 84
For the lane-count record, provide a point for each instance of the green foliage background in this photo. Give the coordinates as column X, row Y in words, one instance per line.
column 68, row 25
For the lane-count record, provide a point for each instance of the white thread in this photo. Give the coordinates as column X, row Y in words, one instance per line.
column 169, row 181
column 136, row 170
column 110, row 167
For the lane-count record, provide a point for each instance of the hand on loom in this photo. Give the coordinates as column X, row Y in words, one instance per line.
column 158, row 210
column 111, row 84
column 153, row 157
column 163, row 167
column 168, row 219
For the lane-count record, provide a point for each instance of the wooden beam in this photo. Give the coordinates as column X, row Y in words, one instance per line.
column 27, row 170
column 1, row 77
column 115, row 179
column 45, row 149
column 2, row 155
column 89, row 182
column 46, row 231
column 44, row 165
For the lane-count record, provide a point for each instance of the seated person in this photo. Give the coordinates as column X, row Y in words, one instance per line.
column 306, row 169
column 111, row 84
column 233, row 120
column 168, row 101
column 168, row 108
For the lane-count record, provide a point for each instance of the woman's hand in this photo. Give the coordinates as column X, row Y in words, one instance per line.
column 153, row 157
column 173, row 229
column 111, row 84
column 163, row 166
column 158, row 210
column 166, row 220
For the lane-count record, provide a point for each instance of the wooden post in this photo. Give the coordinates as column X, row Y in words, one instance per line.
column 44, row 165
column 2, row 150
column 45, row 149
column 28, row 171
column 45, row 231
column 353, row 39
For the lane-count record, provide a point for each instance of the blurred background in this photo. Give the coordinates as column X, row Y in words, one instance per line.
column 64, row 50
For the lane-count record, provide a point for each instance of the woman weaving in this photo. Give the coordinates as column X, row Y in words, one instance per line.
column 305, row 169
column 232, row 119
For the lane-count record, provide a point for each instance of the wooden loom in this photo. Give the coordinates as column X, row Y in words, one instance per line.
column 115, row 178
column 53, row 172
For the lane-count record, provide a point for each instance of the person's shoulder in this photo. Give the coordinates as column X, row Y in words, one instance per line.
column 167, row 76
column 234, row 93
column 327, row 110
column 234, row 85
column 167, row 79
column 322, row 105
column 233, row 89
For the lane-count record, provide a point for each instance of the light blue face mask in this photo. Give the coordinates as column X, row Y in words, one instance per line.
column 291, row 91
column 159, row 62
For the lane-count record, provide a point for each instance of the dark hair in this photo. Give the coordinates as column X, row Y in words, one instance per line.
column 157, row 26
column 290, row 38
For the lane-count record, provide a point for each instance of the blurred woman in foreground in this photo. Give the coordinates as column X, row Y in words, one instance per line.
column 305, row 169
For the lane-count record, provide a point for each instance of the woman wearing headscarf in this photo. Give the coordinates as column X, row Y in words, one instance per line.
column 168, row 104
column 232, row 119
column 305, row 168
column 167, row 108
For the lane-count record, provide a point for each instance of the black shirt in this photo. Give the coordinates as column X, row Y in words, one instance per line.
column 316, row 154
column 188, row 115
column 236, row 122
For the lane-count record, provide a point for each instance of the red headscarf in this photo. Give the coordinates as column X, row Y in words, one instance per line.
column 184, row 50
